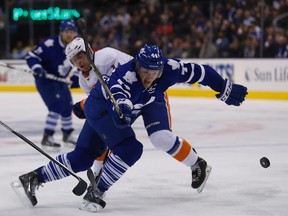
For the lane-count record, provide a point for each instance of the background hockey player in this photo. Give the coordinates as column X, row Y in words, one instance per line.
column 49, row 58
column 138, row 86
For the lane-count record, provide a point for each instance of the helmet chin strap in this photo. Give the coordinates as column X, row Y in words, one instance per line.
column 160, row 73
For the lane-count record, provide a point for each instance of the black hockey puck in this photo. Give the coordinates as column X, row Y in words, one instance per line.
column 264, row 162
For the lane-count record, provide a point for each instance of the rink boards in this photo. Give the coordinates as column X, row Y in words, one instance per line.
column 265, row 78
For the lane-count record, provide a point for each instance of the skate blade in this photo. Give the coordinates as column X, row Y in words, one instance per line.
column 208, row 171
column 20, row 192
column 90, row 206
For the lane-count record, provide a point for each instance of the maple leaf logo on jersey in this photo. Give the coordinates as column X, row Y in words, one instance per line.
column 49, row 42
column 130, row 77
column 38, row 51
column 174, row 64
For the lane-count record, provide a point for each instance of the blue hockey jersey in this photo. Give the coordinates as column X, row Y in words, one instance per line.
column 125, row 82
column 50, row 54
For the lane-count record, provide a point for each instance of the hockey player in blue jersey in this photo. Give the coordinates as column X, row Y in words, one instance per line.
column 139, row 88
column 49, row 58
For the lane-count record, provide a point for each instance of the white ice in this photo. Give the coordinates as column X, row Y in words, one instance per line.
column 231, row 139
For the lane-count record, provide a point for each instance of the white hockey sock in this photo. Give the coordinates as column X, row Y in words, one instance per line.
column 66, row 123
column 51, row 121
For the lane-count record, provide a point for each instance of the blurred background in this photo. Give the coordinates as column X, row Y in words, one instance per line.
column 183, row 28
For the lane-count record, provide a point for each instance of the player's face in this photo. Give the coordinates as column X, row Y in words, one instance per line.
column 67, row 36
column 81, row 62
column 147, row 76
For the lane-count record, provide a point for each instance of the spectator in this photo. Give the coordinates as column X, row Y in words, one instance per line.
column 235, row 50
column 281, row 46
column 208, row 49
column 269, row 50
column 165, row 27
column 251, row 48
column 222, row 44
column 18, row 51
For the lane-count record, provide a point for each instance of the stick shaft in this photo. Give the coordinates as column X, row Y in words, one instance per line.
column 47, row 76
column 82, row 31
column 40, row 150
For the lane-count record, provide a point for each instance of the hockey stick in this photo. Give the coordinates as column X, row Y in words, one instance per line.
column 47, row 76
column 82, row 31
column 79, row 189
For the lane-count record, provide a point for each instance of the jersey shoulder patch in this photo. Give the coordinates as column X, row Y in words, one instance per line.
column 174, row 64
column 49, row 43
column 130, row 77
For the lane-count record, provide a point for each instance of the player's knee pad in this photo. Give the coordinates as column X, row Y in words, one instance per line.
column 163, row 139
column 80, row 159
column 129, row 150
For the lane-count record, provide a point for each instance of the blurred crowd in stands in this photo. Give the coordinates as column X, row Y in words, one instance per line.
column 207, row 29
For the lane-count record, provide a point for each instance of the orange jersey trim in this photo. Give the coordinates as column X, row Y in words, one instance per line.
column 82, row 103
column 103, row 156
column 168, row 109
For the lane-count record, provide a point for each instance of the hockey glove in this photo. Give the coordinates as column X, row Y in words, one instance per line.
column 125, row 121
column 39, row 72
column 232, row 94
column 78, row 109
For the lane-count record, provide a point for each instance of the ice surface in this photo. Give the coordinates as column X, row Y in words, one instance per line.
column 231, row 139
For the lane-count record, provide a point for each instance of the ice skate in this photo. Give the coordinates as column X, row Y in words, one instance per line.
column 200, row 174
column 87, row 205
column 48, row 143
column 69, row 139
column 93, row 200
column 94, row 179
column 27, row 183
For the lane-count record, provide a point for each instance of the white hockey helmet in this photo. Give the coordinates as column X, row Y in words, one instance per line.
column 73, row 48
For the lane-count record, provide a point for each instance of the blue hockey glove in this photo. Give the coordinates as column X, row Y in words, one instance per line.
column 232, row 94
column 78, row 109
column 39, row 71
column 75, row 82
column 125, row 121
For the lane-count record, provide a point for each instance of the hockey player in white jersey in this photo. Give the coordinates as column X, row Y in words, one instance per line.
column 106, row 60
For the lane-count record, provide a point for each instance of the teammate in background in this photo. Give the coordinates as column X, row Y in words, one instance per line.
column 49, row 58
column 139, row 87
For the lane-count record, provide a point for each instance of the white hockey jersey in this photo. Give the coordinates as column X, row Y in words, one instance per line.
column 106, row 60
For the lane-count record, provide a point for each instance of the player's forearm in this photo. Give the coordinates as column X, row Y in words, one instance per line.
column 212, row 79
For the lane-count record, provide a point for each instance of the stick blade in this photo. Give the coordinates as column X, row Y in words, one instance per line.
column 80, row 188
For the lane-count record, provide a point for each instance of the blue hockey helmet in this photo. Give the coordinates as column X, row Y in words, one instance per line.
column 150, row 57
column 68, row 25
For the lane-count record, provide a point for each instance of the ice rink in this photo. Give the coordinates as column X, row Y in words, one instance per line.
column 231, row 139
